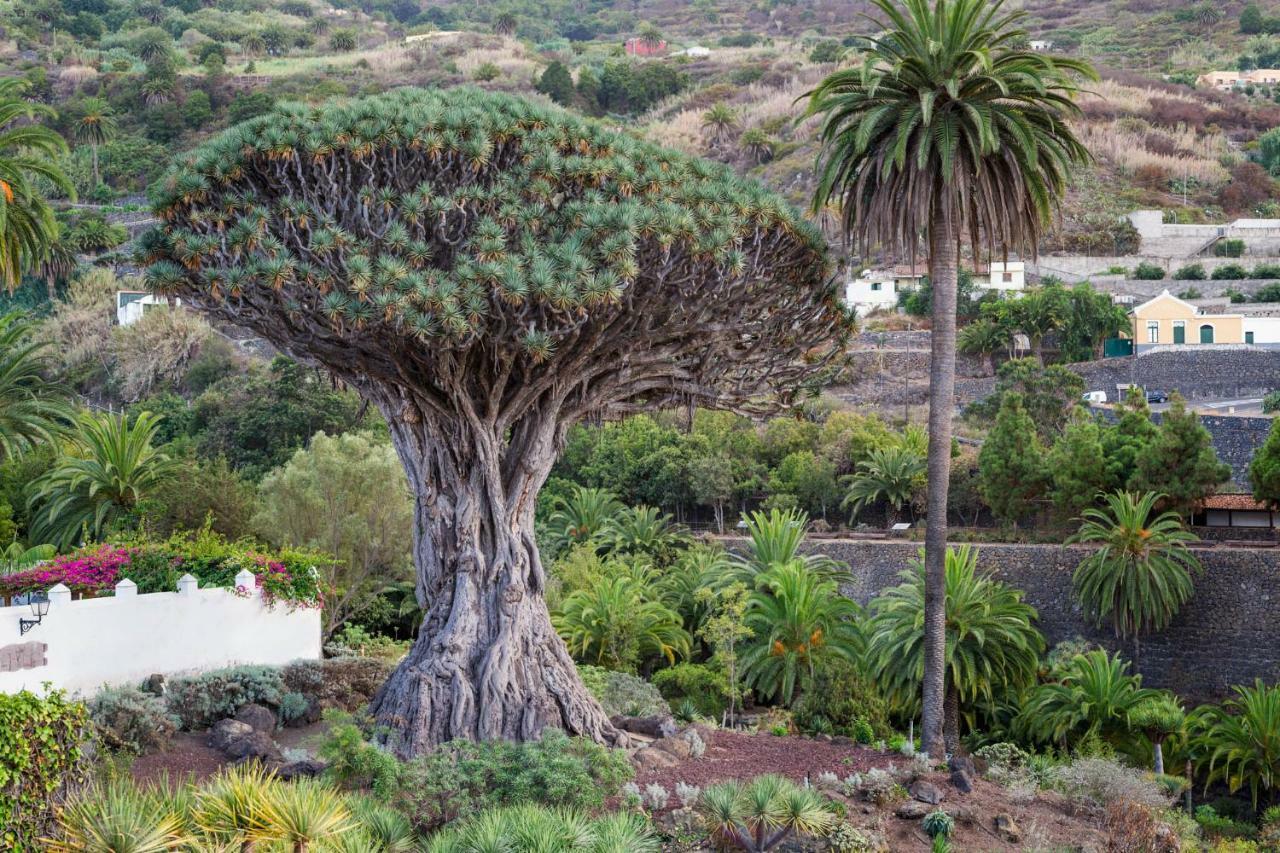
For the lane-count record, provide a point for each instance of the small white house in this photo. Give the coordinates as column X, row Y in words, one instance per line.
column 1007, row 278
column 132, row 304
column 873, row 290
column 695, row 51
column 1040, row 45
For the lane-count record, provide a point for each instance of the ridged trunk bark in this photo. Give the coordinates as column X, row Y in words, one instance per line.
column 487, row 663
column 943, row 273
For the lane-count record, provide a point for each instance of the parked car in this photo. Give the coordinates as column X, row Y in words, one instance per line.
column 1094, row 397
column 1157, row 397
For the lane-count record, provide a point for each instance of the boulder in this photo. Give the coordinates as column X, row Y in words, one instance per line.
column 226, row 731
column 964, row 763
column 963, row 814
column 962, row 780
column 1007, row 829
column 651, row 758
column 255, row 746
column 912, row 810
column 677, row 745
column 925, row 792
column 654, row 727
column 261, row 718
column 307, row 717
column 155, row 684
column 299, row 769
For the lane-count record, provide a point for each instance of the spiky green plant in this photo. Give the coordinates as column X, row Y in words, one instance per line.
column 1159, row 718
column 720, row 119
column 890, row 474
column 34, row 408
column 536, row 829
column 117, row 817
column 228, row 808
column 1238, row 742
column 759, row 815
column 1140, row 574
column 992, row 644
column 615, row 624
column 109, row 467
column 301, row 814
column 798, row 619
column 583, row 515
column 949, row 131
column 643, row 530
column 776, row 540
column 1094, row 696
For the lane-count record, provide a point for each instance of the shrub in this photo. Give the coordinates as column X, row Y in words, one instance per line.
column 1229, row 249
column 1238, row 742
column 938, row 823
column 623, row 693
column 40, row 761
column 1229, row 272
column 199, row 701
column 354, row 763
column 292, row 707
column 848, row 700
column 132, row 720
column 1148, row 272
column 705, row 686
column 1221, row 826
column 1266, row 271
column 1094, row 783
column 486, row 72
column 346, row 683
column 464, row 777
column 1271, row 402
column 1191, row 272
column 529, row 828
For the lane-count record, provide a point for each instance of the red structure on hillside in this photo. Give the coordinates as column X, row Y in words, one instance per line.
column 639, row 47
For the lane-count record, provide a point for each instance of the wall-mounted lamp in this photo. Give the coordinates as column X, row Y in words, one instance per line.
column 39, row 607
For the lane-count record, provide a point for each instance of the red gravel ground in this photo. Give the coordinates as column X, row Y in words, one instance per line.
column 187, row 756
column 739, row 755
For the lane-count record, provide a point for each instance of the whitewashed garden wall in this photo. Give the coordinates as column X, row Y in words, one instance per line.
column 82, row 645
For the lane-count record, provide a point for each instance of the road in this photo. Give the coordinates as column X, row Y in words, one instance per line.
column 1248, row 407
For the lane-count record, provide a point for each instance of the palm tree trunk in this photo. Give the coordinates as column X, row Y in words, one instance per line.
column 951, row 727
column 1159, row 751
column 943, row 272
column 96, row 179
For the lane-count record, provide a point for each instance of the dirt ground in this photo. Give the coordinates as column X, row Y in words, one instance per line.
column 190, row 757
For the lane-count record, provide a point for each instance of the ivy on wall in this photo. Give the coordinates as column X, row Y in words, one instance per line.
column 40, row 758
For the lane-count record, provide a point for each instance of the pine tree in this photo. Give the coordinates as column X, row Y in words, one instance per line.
column 1264, row 470
column 1011, row 465
column 1077, row 465
column 1251, row 21
column 1181, row 463
column 1123, row 443
column 556, row 83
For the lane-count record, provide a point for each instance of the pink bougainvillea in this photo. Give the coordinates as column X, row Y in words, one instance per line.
column 86, row 572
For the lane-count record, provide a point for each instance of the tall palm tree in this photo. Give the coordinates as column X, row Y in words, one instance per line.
column 985, row 338
column 28, row 153
column 757, row 145
column 949, row 128
column 33, row 408
column 1140, row 575
column 890, row 474
column 991, row 644
column 95, row 127
column 111, row 465
column 505, row 24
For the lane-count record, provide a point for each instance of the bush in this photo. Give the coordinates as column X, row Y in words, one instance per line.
column 40, row 761
column 1271, row 402
column 464, row 777
column 1229, row 249
column 623, row 693
column 845, row 698
column 1094, row 783
column 705, row 686
column 199, row 701
column 354, row 763
column 527, row 828
column 1148, row 272
column 1229, row 272
column 1191, row 272
column 346, row 684
column 1266, row 271
column 132, row 720
column 1221, row 826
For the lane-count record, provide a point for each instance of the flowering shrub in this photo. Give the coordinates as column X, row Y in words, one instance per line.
column 288, row 577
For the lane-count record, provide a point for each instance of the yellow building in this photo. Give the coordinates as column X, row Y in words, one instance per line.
column 1166, row 320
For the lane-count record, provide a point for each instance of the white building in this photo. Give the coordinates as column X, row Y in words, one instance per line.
column 872, row 291
column 695, row 51
column 1007, row 278
column 132, row 304
column 1040, row 45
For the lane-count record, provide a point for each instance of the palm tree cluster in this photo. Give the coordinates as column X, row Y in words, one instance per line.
column 34, row 407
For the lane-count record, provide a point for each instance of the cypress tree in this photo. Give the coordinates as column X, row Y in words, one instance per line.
column 1077, row 466
column 1011, row 465
column 556, row 83
column 1123, row 443
column 1181, row 463
column 1264, row 470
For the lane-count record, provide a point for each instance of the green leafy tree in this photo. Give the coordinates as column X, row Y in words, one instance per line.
column 808, row 476
column 556, row 83
column 725, row 629
column 992, row 644
column 1126, row 442
column 1239, row 741
column 1091, row 317
column 1264, row 468
column 985, row 338
column 1012, row 477
column 29, row 155
column 890, row 474
column 1180, row 463
column 1076, row 465
column 109, row 467
column 95, row 126
column 1139, row 575
column 950, row 128
column 33, row 409
column 1049, row 394
column 346, row 497
column 486, row 293
column 798, row 620
column 1251, row 20
column 847, row 438
column 1093, row 696
column 1040, row 311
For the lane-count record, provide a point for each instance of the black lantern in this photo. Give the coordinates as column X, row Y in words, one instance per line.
column 39, row 603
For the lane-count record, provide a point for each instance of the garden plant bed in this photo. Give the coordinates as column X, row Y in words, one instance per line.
column 1044, row 821
column 191, row 756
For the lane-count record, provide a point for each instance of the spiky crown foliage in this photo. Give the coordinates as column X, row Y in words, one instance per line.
column 431, row 238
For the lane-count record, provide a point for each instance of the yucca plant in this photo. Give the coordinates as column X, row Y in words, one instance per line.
column 381, row 829
column 117, row 817
column 1140, row 575
column 891, row 474
column 301, row 815
column 1094, row 696
column 109, row 467
column 228, row 808
column 759, row 815
column 536, row 829
column 992, row 645
column 1238, row 743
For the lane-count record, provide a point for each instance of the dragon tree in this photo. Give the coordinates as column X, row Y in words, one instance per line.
column 488, row 272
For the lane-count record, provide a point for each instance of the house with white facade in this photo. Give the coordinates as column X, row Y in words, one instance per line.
column 132, row 304
column 1040, row 45
column 1008, row 278
column 873, row 290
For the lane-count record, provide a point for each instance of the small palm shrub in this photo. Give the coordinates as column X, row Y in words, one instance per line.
column 581, row 516
column 615, row 624
column 759, row 815
column 1094, row 697
column 535, row 829
column 892, row 475
column 1238, row 743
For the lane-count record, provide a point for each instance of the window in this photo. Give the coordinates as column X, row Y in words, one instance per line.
column 1153, row 332
column 875, row 285
column 1008, row 278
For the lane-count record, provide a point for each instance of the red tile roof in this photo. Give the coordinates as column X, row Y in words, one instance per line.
column 1242, row 502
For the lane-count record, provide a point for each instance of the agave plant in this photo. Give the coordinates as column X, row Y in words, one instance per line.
column 1095, row 696
column 798, row 619
column 116, row 817
column 1239, row 742
column 759, row 815
column 615, row 625
column 536, row 829
column 111, row 465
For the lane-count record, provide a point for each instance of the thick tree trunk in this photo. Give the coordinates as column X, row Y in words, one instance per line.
column 943, row 267
column 487, row 663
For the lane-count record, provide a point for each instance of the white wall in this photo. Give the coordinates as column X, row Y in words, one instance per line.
column 126, row 637
column 1266, row 330
column 859, row 295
